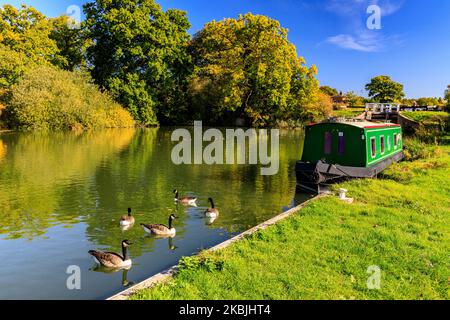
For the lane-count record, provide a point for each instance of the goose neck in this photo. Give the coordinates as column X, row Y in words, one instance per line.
column 125, row 253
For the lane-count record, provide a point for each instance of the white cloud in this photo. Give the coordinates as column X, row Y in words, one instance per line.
column 347, row 41
column 360, row 38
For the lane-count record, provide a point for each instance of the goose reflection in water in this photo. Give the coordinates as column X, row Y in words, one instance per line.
column 102, row 269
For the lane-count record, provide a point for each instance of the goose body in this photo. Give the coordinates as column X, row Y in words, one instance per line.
column 185, row 200
column 161, row 229
column 112, row 259
column 211, row 212
column 127, row 220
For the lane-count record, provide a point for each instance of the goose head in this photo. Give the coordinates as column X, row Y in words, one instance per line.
column 126, row 243
column 129, row 212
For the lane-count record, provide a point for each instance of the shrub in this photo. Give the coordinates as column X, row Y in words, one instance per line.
column 50, row 98
column 415, row 149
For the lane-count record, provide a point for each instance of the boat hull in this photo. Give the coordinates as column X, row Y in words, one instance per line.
column 310, row 176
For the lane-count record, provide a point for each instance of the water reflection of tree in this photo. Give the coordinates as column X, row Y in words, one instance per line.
column 42, row 181
column 62, row 178
column 2, row 150
column 143, row 177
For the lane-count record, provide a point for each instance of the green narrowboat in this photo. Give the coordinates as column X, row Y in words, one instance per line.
column 336, row 150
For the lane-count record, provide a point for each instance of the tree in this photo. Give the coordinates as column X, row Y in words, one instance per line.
column 246, row 67
column 383, row 89
column 428, row 101
column 139, row 53
column 27, row 31
column 353, row 99
column 447, row 96
column 70, row 42
column 329, row 91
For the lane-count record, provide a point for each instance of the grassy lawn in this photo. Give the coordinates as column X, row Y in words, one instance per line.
column 427, row 116
column 348, row 113
column 399, row 223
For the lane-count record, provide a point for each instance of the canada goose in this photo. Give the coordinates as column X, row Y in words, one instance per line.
column 161, row 229
column 185, row 200
column 112, row 259
column 211, row 212
column 127, row 220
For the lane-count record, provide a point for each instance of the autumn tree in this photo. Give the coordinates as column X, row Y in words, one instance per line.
column 383, row 89
column 139, row 54
column 27, row 30
column 246, row 67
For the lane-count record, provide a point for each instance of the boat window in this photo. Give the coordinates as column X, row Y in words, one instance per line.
column 382, row 144
column 389, row 143
column 373, row 147
column 341, row 143
column 395, row 141
column 328, row 143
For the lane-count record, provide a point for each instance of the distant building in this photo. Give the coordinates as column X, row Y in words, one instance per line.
column 340, row 100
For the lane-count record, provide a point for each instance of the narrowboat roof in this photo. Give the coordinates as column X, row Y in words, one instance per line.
column 359, row 124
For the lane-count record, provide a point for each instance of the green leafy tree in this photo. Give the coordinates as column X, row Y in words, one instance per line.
column 447, row 96
column 353, row 99
column 329, row 91
column 71, row 43
column 139, row 52
column 428, row 101
column 246, row 67
column 383, row 89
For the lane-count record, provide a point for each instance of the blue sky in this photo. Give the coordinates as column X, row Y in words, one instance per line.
column 412, row 46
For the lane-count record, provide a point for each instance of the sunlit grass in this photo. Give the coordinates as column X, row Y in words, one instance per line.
column 427, row 116
column 398, row 223
column 348, row 113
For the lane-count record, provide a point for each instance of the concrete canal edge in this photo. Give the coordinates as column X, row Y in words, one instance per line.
column 168, row 273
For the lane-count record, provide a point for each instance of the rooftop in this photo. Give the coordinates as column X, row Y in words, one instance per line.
column 358, row 123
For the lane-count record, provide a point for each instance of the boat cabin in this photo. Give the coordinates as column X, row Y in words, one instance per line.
column 357, row 144
column 350, row 149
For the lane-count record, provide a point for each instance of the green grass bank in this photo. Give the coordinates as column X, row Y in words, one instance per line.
column 398, row 223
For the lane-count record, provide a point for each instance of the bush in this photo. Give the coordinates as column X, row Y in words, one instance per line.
column 415, row 149
column 49, row 98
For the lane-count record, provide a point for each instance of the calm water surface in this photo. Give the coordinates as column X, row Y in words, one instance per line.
column 62, row 194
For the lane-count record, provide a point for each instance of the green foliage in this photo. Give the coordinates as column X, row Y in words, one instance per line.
column 432, row 125
column 324, row 251
column 415, row 149
column 428, row 101
column 27, row 31
column 383, row 89
column 247, row 68
column 447, row 97
column 354, row 100
column 49, row 98
column 71, row 43
column 139, row 53
column 425, row 116
column 13, row 64
column 329, row 91
column 348, row 112
column 195, row 263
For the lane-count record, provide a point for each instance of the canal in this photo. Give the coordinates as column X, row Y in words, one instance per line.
column 62, row 194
